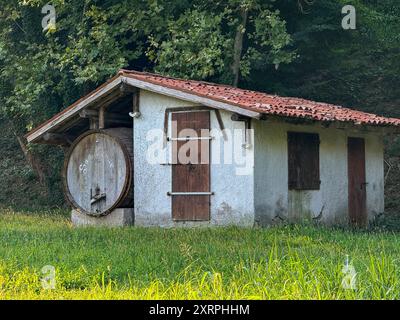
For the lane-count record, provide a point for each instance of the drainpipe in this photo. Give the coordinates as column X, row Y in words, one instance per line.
column 135, row 104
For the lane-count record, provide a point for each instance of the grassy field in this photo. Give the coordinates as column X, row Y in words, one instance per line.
column 287, row 262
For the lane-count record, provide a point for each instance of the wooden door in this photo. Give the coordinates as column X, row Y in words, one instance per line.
column 357, row 181
column 191, row 179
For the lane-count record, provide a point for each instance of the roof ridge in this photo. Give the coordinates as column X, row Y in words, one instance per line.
column 250, row 102
column 153, row 74
column 191, row 80
column 314, row 104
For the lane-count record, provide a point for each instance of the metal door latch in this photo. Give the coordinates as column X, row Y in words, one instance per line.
column 97, row 197
column 363, row 185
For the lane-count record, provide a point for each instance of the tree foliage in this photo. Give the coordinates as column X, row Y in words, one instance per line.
column 42, row 71
column 200, row 43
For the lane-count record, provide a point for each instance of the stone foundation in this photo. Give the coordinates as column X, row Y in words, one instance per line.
column 117, row 218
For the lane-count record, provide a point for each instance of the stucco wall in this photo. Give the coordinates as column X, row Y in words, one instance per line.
column 232, row 202
column 261, row 196
column 374, row 158
column 273, row 201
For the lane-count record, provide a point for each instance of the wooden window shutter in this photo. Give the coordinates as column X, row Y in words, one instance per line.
column 303, row 161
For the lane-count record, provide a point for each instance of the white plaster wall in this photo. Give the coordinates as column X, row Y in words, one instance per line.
column 264, row 195
column 374, row 158
column 232, row 202
column 273, row 200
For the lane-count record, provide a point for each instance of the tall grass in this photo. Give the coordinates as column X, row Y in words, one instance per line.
column 286, row 262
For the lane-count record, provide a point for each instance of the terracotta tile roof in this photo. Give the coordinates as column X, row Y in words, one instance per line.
column 257, row 102
column 265, row 103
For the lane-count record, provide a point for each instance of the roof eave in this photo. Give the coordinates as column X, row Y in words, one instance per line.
column 74, row 109
column 65, row 118
column 90, row 99
column 187, row 96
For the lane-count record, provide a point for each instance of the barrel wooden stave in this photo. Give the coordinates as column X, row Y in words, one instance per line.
column 98, row 174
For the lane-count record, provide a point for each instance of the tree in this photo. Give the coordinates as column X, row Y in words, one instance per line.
column 223, row 40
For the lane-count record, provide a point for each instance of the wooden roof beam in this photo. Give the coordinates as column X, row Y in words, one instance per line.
column 57, row 139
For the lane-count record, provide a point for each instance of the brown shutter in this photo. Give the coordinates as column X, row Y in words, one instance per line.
column 187, row 178
column 303, row 161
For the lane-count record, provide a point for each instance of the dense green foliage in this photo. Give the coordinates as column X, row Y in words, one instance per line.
column 301, row 262
column 20, row 187
column 42, row 72
column 288, row 47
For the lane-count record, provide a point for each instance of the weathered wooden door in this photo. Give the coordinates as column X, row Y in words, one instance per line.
column 191, row 179
column 357, row 183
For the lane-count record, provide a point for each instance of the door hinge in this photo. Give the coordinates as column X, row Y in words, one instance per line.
column 189, row 138
column 190, row 193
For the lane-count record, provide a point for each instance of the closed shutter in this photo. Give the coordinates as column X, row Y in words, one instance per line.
column 303, row 161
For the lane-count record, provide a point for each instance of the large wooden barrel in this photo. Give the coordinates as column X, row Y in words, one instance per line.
column 98, row 171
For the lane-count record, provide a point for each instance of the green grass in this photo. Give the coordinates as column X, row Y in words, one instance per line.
column 286, row 262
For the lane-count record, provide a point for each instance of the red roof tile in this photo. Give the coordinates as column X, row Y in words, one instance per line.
column 265, row 103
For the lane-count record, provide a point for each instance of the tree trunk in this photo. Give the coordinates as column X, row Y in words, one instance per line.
column 238, row 47
column 33, row 161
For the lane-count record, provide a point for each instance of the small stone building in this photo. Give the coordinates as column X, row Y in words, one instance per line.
column 264, row 158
